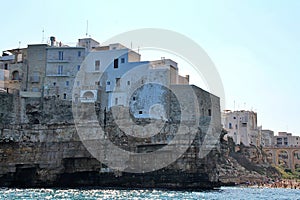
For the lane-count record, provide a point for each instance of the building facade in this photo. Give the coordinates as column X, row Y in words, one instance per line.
column 286, row 139
column 116, row 72
column 62, row 65
column 267, row 138
column 242, row 127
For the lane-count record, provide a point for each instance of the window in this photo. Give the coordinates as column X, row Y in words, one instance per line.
column 97, row 65
column 67, row 83
column 60, row 69
column 5, row 66
column 78, row 67
column 140, row 112
column 236, row 127
column 116, row 63
column 108, row 83
column 79, row 53
column 60, row 55
column 116, row 101
column 230, row 126
column 15, row 75
column 209, row 112
column 118, row 80
column 122, row 60
column 54, row 83
column 65, row 96
column 234, row 117
column 133, row 98
column 97, row 83
column 35, row 89
column 128, row 82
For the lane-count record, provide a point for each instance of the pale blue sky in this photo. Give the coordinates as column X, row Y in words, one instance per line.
column 254, row 44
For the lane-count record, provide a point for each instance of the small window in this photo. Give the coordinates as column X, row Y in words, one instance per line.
column 35, row 89
column 128, row 82
column 97, row 83
column 116, row 101
column 234, row 117
column 236, row 126
column 133, row 98
column 108, row 83
column 116, row 63
column 209, row 112
column 60, row 69
column 118, row 80
column 78, row 67
column 97, row 65
column 60, row 55
column 122, row 60
column 140, row 112
column 5, row 66
column 54, row 83
column 65, row 96
column 230, row 126
column 79, row 53
column 67, row 83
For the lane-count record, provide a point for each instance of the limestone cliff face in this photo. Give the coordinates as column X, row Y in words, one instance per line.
column 40, row 147
column 239, row 164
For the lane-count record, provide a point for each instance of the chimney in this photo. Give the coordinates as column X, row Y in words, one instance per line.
column 52, row 39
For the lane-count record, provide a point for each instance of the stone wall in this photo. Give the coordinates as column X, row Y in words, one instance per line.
column 43, row 149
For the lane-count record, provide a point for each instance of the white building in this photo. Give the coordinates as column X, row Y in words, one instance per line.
column 242, row 127
column 117, row 71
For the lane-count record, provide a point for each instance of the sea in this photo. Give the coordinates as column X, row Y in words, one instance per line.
column 232, row 193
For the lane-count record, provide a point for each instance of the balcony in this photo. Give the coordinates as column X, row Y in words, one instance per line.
column 59, row 75
column 58, row 61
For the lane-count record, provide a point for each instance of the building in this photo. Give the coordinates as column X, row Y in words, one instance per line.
column 267, row 138
column 115, row 72
column 62, row 65
column 286, row 139
column 242, row 127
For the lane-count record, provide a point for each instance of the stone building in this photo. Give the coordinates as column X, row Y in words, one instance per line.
column 12, row 64
column 286, row 139
column 267, row 138
column 62, row 66
column 34, row 68
column 242, row 127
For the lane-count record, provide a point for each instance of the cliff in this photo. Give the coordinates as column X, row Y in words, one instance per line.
column 40, row 147
column 239, row 164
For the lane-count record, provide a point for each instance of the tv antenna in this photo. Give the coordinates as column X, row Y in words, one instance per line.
column 87, row 28
column 43, row 35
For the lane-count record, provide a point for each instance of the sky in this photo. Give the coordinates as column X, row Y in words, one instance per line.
column 254, row 44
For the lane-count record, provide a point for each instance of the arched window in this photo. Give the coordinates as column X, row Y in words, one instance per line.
column 89, row 95
column 15, row 75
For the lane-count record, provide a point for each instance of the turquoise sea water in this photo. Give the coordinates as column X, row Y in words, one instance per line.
column 222, row 193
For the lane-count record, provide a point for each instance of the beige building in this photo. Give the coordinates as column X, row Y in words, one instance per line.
column 286, row 139
column 62, row 66
column 242, row 127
